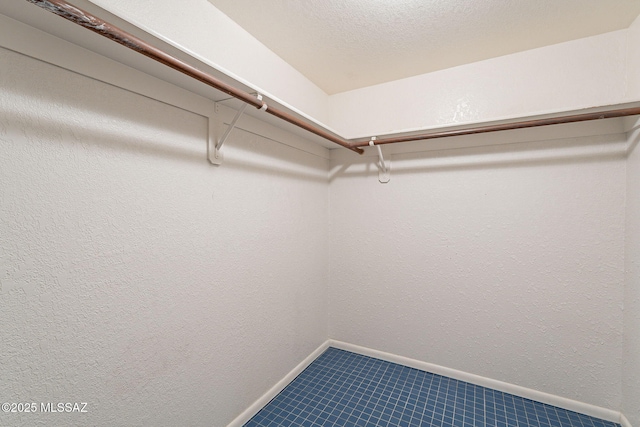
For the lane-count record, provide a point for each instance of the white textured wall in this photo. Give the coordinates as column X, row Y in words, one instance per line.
column 589, row 72
column 631, row 366
column 135, row 276
column 199, row 28
column 633, row 61
column 506, row 262
column 165, row 291
column 577, row 74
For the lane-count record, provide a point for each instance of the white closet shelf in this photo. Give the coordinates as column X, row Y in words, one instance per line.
column 281, row 114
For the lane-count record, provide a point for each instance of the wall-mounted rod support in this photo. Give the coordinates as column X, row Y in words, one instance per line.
column 105, row 29
column 264, row 104
column 383, row 166
column 230, row 128
column 384, row 173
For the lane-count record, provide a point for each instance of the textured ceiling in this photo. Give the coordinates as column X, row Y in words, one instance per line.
column 347, row 44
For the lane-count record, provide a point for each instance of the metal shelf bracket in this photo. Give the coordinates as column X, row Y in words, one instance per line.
column 215, row 154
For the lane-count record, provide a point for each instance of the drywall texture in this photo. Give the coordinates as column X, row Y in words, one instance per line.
column 216, row 39
column 505, row 262
column 390, row 40
column 577, row 74
column 633, row 61
column 136, row 277
column 631, row 366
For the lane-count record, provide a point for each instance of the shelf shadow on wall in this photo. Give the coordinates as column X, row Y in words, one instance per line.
column 263, row 156
column 53, row 130
column 56, row 106
column 64, row 107
column 633, row 136
column 502, row 155
column 260, row 154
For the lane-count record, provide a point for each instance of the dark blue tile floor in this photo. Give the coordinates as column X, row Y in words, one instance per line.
column 346, row 389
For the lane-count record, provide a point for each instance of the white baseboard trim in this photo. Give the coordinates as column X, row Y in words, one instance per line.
column 561, row 402
column 624, row 422
column 248, row 413
column 527, row 393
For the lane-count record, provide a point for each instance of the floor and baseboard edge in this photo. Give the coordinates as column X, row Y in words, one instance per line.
column 624, row 422
column 248, row 413
column 539, row 396
column 561, row 402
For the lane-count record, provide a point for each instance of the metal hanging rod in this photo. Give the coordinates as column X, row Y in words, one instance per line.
column 105, row 29
column 607, row 114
